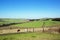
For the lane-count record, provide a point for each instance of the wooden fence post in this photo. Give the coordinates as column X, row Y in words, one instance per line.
column 27, row 29
column 33, row 29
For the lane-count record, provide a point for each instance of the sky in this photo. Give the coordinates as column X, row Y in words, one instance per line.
column 29, row 9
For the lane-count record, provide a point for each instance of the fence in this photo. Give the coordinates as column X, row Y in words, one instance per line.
column 18, row 30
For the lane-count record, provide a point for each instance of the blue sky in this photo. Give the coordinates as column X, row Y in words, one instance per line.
column 31, row 9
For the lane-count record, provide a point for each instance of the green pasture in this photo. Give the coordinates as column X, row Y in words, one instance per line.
column 39, row 24
column 8, row 21
column 30, row 24
column 30, row 36
column 47, row 23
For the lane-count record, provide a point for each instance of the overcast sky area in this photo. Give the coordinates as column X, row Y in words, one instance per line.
column 31, row 9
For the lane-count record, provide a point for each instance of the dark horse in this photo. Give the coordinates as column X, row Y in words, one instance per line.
column 18, row 30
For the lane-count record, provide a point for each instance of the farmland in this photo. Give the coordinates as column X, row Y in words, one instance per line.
column 39, row 24
column 30, row 36
column 27, row 23
column 7, row 21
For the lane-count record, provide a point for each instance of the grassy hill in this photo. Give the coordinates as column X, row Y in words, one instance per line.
column 31, row 23
column 8, row 21
column 30, row 36
column 39, row 24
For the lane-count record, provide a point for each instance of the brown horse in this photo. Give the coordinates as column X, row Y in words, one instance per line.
column 18, row 30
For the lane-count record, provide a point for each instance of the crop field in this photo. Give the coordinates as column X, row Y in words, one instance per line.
column 30, row 24
column 39, row 24
column 30, row 36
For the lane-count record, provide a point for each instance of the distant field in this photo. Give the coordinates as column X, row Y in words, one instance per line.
column 8, row 21
column 30, row 36
column 39, row 24
column 30, row 24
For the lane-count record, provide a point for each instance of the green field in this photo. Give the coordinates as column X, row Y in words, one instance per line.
column 8, row 21
column 39, row 24
column 48, row 23
column 30, row 36
column 30, row 24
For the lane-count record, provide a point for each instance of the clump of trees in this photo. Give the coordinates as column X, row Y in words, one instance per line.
column 34, row 19
column 56, row 19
